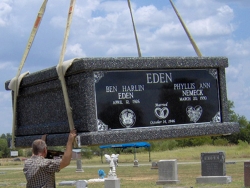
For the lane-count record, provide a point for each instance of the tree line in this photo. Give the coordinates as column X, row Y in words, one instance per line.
column 4, row 149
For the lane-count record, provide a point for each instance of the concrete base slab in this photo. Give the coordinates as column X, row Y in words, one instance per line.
column 79, row 170
column 165, row 182
column 96, row 180
column 67, row 183
column 112, row 183
column 81, row 184
column 214, row 179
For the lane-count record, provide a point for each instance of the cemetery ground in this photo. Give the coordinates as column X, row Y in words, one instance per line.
column 189, row 168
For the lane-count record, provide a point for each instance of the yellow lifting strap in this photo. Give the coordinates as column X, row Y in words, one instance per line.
column 187, row 32
column 15, row 82
column 136, row 38
column 61, row 70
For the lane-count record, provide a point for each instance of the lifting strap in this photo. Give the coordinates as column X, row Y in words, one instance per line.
column 15, row 82
column 61, row 71
column 187, row 32
column 136, row 38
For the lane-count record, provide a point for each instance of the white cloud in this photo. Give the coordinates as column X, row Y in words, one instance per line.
column 75, row 51
column 7, row 72
column 239, row 48
column 233, row 72
column 115, row 50
column 218, row 23
column 240, row 94
column 210, row 27
column 225, row 12
column 83, row 12
column 7, row 66
column 4, row 96
column 6, row 111
column 5, row 10
column 238, row 85
column 196, row 9
column 242, row 3
column 58, row 21
column 149, row 16
column 112, row 6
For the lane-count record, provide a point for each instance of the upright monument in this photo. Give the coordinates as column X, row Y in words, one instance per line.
column 118, row 100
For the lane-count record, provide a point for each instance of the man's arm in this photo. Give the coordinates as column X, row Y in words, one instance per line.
column 68, row 152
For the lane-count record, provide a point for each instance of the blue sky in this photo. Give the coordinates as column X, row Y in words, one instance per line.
column 102, row 28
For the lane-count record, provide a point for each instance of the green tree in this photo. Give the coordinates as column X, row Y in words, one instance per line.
column 232, row 115
column 3, row 136
column 4, row 150
column 244, row 126
column 162, row 145
column 196, row 141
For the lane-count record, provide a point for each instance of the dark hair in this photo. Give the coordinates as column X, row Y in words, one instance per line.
column 38, row 146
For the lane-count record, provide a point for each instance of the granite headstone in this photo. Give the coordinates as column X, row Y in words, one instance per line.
column 213, row 164
column 117, row 100
column 247, row 174
column 168, row 172
column 213, row 169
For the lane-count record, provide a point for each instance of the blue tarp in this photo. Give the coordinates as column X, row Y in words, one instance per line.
column 127, row 145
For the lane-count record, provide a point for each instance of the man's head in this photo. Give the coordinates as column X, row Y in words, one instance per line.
column 39, row 147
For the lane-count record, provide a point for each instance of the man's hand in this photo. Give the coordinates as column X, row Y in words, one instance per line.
column 72, row 136
column 68, row 152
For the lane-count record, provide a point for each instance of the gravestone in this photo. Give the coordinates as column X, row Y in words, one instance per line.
column 213, row 168
column 76, row 155
column 136, row 163
column 112, row 182
column 117, row 100
column 247, row 174
column 154, row 165
column 213, row 164
column 168, row 172
column 79, row 165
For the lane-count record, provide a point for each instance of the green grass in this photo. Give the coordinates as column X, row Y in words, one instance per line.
column 143, row 176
